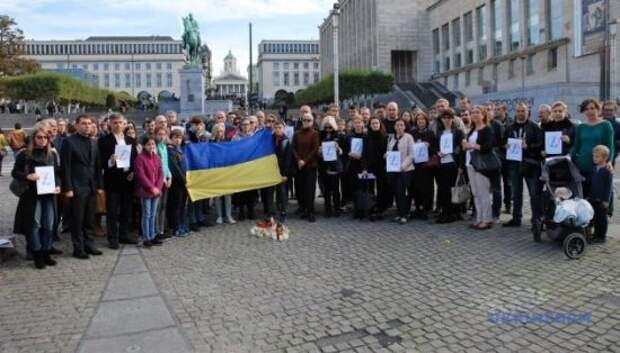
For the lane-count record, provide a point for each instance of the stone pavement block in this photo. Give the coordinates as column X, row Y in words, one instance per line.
column 160, row 341
column 130, row 250
column 129, row 264
column 133, row 285
column 129, row 316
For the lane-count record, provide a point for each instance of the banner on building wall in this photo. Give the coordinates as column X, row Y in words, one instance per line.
column 593, row 23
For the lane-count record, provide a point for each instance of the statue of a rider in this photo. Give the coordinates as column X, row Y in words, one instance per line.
column 191, row 40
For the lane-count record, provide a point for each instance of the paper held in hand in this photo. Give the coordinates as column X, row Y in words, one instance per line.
column 514, row 151
column 357, row 145
column 123, row 156
column 46, row 184
column 553, row 142
column 328, row 149
column 392, row 162
column 289, row 131
column 446, row 146
column 420, row 152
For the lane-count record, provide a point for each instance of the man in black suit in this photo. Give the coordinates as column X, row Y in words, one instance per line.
column 81, row 181
column 117, row 181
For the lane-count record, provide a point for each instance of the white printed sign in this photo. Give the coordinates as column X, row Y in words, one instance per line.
column 420, row 152
column 289, row 131
column 123, row 156
column 514, row 151
column 392, row 161
column 553, row 142
column 328, row 149
column 445, row 144
column 357, row 144
column 46, row 184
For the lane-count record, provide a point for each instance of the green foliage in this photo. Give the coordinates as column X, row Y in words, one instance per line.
column 46, row 86
column 110, row 101
column 352, row 83
column 12, row 61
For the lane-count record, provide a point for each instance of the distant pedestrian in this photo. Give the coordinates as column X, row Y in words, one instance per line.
column 149, row 185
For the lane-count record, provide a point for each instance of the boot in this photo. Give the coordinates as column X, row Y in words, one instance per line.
column 39, row 261
column 337, row 205
column 328, row 205
column 241, row 215
column 47, row 259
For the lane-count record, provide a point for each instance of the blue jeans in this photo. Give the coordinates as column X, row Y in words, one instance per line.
column 534, row 186
column 43, row 223
column 194, row 212
column 149, row 213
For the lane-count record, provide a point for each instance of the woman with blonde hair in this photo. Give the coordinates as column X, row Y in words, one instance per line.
column 329, row 171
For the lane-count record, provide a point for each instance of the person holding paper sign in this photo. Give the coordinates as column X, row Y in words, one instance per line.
column 560, row 124
column 117, row 181
column 354, row 147
column 401, row 142
column 422, row 186
column 36, row 214
column 450, row 154
column 331, row 168
column 373, row 154
column 529, row 168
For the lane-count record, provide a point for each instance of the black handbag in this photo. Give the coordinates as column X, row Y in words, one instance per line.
column 364, row 199
column 18, row 187
column 485, row 162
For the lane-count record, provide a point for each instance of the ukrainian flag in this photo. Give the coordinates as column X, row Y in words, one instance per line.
column 217, row 169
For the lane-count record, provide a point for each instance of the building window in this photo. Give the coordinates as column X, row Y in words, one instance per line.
column 286, row 79
column 85, row 67
column 445, row 37
column 457, row 60
column 158, row 80
column 554, row 19
column 467, row 78
column 127, row 80
column 169, row 79
column 456, row 81
column 137, row 66
column 138, row 80
column 117, row 80
column 553, row 59
column 480, row 76
column 530, row 64
column 276, row 65
column 106, row 80
column 437, row 66
column 316, row 65
column 511, row 68
column 306, row 78
column 446, row 63
column 96, row 67
column 513, row 19
column 532, row 9
column 316, row 77
column 148, row 66
column 481, row 32
column 106, row 67
column 285, row 66
column 436, row 48
column 496, row 22
column 148, row 80
column 456, row 32
column 276, row 78
column 469, row 27
column 296, row 79
column 469, row 56
column 168, row 66
column 306, row 65
column 295, row 66
column 158, row 66
column 127, row 66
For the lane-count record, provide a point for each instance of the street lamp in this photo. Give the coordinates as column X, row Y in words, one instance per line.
column 612, row 69
column 335, row 14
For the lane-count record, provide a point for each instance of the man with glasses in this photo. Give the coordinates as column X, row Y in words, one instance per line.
column 392, row 116
column 306, row 143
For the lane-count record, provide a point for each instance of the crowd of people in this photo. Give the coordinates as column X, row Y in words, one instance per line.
column 383, row 158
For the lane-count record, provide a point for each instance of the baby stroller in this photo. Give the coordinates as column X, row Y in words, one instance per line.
column 560, row 172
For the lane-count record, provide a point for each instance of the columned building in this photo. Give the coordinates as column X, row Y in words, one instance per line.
column 286, row 65
column 537, row 51
column 145, row 66
column 230, row 83
column 385, row 35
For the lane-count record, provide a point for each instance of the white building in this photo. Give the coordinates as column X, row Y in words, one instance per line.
column 137, row 65
column 230, row 83
column 288, row 65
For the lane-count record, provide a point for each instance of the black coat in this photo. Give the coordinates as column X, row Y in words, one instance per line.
column 177, row 165
column 566, row 127
column 425, row 135
column 115, row 179
column 80, row 165
column 284, row 153
column 374, row 149
column 24, row 215
column 532, row 135
column 353, row 166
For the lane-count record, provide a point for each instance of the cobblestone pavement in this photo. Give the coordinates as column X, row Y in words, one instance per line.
column 337, row 285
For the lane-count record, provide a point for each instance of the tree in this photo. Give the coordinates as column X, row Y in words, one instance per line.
column 12, row 61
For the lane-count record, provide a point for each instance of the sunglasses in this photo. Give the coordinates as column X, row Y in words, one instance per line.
column 307, row 120
column 42, row 137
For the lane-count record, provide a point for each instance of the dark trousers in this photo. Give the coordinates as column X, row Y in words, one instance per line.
column 118, row 204
column 446, row 178
column 305, row 189
column 82, row 209
column 400, row 183
column 534, row 186
column 177, row 198
column 384, row 193
column 348, row 183
column 331, row 191
column 281, row 195
column 266, row 197
column 600, row 220
column 424, row 186
column 506, row 182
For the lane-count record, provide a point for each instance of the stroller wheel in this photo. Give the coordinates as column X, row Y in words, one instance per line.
column 574, row 245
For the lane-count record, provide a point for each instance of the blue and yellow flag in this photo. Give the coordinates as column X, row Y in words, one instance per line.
column 217, row 169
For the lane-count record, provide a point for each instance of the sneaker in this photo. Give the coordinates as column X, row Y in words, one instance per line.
column 402, row 220
column 230, row 220
column 219, row 220
column 147, row 244
column 512, row 223
column 156, row 242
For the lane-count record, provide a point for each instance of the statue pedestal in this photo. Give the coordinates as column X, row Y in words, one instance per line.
column 192, row 100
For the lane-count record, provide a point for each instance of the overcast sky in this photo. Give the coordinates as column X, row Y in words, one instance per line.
column 223, row 23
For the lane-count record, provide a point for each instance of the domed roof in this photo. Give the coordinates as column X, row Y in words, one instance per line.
column 229, row 56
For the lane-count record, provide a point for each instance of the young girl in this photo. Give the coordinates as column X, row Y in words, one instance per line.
column 36, row 214
column 149, row 178
column 177, row 194
column 223, row 204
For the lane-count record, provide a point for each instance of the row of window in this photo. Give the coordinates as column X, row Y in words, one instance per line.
column 295, row 65
column 289, row 48
column 513, row 64
column 102, row 48
column 286, row 76
column 500, row 12
column 148, row 80
column 116, row 66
